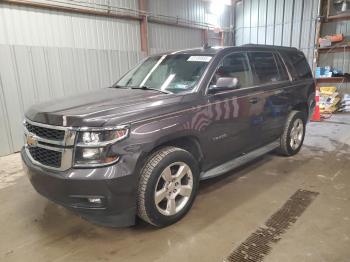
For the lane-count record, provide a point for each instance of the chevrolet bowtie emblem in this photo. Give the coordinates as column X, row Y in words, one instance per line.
column 31, row 140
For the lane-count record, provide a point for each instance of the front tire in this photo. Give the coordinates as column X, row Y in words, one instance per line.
column 167, row 187
column 293, row 134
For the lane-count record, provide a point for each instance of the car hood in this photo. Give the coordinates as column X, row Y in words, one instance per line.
column 102, row 107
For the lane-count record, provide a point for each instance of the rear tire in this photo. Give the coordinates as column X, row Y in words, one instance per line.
column 167, row 187
column 293, row 134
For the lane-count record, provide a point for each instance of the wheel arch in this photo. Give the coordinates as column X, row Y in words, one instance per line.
column 307, row 107
column 189, row 143
column 303, row 107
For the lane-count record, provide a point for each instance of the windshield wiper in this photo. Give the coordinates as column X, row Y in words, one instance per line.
column 150, row 88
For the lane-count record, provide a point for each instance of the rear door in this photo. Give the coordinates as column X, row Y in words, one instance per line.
column 272, row 80
column 303, row 82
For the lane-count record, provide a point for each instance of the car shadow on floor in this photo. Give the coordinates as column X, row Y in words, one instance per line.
column 217, row 197
column 210, row 188
column 222, row 194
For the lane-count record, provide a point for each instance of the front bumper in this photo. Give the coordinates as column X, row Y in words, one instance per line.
column 114, row 185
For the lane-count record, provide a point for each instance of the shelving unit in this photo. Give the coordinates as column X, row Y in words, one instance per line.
column 345, row 47
column 334, row 49
column 335, row 18
column 333, row 80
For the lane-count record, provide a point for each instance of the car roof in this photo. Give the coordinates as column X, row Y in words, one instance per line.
column 213, row 50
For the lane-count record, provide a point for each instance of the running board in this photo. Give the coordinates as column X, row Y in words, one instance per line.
column 219, row 170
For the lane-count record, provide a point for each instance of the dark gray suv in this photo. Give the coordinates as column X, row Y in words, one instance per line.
column 140, row 147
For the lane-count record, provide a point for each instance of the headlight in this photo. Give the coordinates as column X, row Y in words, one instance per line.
column 99, row 156
column 101, row 138
column 93, row 146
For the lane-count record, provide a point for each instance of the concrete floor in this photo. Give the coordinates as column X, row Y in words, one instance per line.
column 227, row 210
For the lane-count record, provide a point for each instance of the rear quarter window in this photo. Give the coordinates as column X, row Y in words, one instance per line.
column 265, row 68
column 298, row 65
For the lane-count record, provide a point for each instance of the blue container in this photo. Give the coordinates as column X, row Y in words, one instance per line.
column 320, row 72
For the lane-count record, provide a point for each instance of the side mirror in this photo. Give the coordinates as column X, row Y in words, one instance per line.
column 224, row 84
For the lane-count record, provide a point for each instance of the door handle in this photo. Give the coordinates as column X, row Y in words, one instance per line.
column 253, row 100
column 278, row 92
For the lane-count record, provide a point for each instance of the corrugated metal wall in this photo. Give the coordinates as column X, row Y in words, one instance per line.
column 194, row 10
column 165, row 37
column 277, row 22
column 47, row 54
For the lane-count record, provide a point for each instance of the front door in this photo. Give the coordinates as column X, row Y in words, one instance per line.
column 232, row 113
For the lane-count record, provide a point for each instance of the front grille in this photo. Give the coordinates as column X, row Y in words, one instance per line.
column 47, row 133
column 46, row 157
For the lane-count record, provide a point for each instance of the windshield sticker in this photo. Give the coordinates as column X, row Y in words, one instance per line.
column 205, row 59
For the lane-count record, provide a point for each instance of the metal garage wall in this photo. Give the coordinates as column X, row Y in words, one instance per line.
column 277, row 22
column 194, row 10
column 164, row 37
column 191, row 10
column 46, row 54
column 213, row 38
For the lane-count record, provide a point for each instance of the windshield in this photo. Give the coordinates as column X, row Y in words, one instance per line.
column 174, row 73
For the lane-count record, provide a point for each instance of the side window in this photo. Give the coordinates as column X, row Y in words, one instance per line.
column 265, row 67
column 234, row 65
column 281, row 68
column 300, row 66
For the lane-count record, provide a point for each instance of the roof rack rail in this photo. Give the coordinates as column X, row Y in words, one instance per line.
column 206, row 46
column 269, row 46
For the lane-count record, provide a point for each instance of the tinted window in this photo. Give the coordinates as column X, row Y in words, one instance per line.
column 265, row 67
column 281, row 68
column 235, row 65
column 300, row 65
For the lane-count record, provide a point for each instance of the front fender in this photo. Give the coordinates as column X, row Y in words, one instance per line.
column 157, row 132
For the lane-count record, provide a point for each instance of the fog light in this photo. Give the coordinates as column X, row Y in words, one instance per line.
column 95, row 200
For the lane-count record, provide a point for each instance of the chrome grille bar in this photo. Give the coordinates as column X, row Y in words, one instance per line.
column 65, row 146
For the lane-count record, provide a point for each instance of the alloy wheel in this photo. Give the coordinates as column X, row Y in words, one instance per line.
column 173, row 189
column 296, row 134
